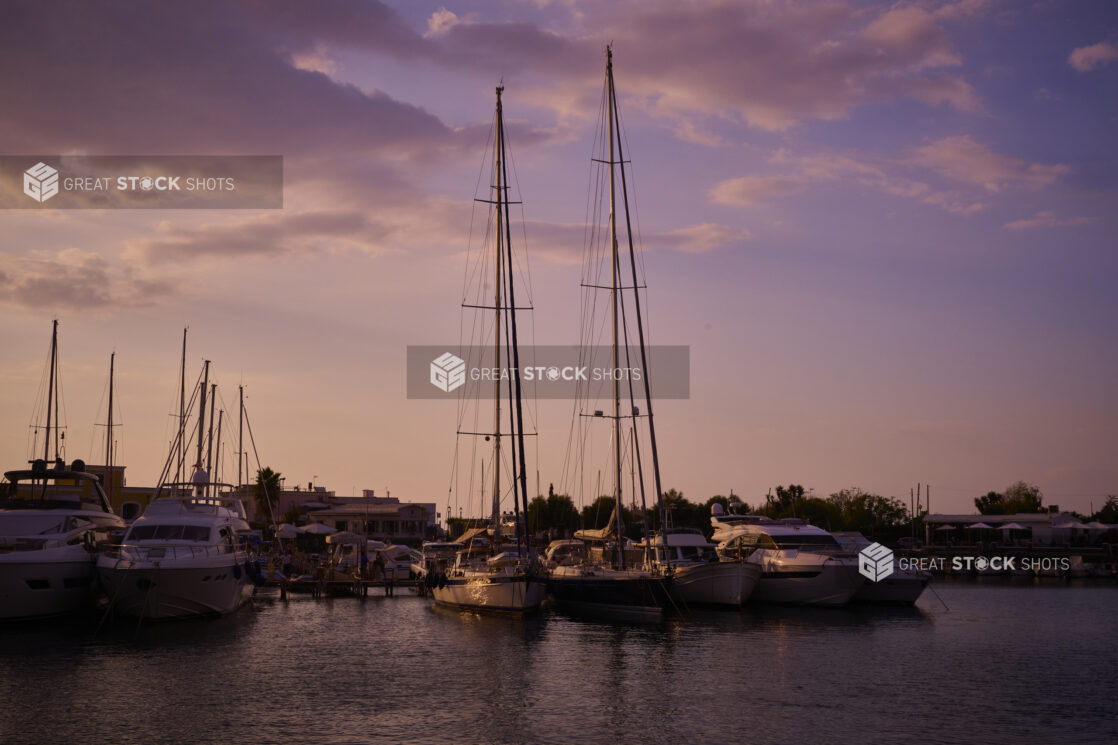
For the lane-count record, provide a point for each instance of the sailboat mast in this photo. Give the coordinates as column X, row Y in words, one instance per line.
column 50, row 392
column 210, row 437
column 497, row 350
column 202, row 412
column 614, row 299
column 513, row 342
column 109, row 434
column 217, row 460
column 241, row 438
column 182, row 409
column 640, row 322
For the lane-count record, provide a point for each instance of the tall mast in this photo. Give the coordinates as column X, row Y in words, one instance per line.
column 217, row 460
column 182, row 409
column 640, row 322
column 109, row 434
column 210, row 438
column 512, row 341
column 614, row 298
column 202, row 412
column 497, row 347
column 241, row 438
column 50, row 393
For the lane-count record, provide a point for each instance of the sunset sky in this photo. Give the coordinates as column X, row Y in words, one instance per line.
column 887, row 231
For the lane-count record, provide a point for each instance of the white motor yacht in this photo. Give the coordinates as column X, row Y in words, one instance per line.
column 698, row 577
column 902, row 587
column 800, row 563
column 181, row 558
column 52, row 523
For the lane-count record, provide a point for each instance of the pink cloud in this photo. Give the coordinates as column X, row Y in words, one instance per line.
column 1089, row 58
column 963, row 158
column 1045, row 219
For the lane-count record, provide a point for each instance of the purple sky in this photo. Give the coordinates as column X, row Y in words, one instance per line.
column 886, row 230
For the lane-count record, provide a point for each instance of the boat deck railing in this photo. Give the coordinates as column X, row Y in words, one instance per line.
column 134, row 552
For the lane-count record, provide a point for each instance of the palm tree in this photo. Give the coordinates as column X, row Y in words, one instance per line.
column 267, row 490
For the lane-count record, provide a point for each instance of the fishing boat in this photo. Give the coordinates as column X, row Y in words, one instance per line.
column 488, row 573
column 53, row 520
column 800, row 563
column 617, row 586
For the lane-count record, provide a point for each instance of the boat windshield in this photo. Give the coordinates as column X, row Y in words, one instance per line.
column 168, row 533
column 778, row 542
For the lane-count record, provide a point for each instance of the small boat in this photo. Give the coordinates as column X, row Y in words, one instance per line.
column 698, row 576
column 901, row 587
column 800, row 563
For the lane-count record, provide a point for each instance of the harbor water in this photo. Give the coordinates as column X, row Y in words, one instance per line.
column 1001, row 663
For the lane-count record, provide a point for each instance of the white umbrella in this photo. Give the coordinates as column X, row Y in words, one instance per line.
column 345, row 536
column 319, row 529
column 945, row 527
column 1072, row 524
column 287, row 530
column 980, row 526
column 1098, row 526
column 1014, row 526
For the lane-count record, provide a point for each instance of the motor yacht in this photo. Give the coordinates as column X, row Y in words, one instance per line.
column 52, row 524
column 800, row 563
column 901, row 587
column 698, row 577
column 181, row 558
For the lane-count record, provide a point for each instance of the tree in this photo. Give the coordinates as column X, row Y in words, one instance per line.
column 1109, row 512
column 1022, row 497
column 991, row 503
column 267, row 490
column 1019, row 497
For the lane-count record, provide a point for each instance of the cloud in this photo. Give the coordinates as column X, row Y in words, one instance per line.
column 78, row 280
column 963, row 158
column 1089, row 58
column 1045, row 219
column 802, row 173
column 564, row 243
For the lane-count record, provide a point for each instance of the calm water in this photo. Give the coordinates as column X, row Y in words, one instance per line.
column 1005, row 663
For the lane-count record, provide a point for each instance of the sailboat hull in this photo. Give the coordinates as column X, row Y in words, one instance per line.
column 615, row 595
column 492, row 594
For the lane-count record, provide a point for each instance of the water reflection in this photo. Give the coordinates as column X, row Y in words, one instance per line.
column 402, row 670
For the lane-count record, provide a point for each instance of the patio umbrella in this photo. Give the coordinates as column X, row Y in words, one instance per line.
column 345, row 536
column 980, row 526
column 945, row 527
column 287, row 530
column 1014, row 526
column 319, row 529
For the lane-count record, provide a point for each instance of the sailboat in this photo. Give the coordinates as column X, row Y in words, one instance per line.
column 53, row 519
column 614, row 587
column 487, row 575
